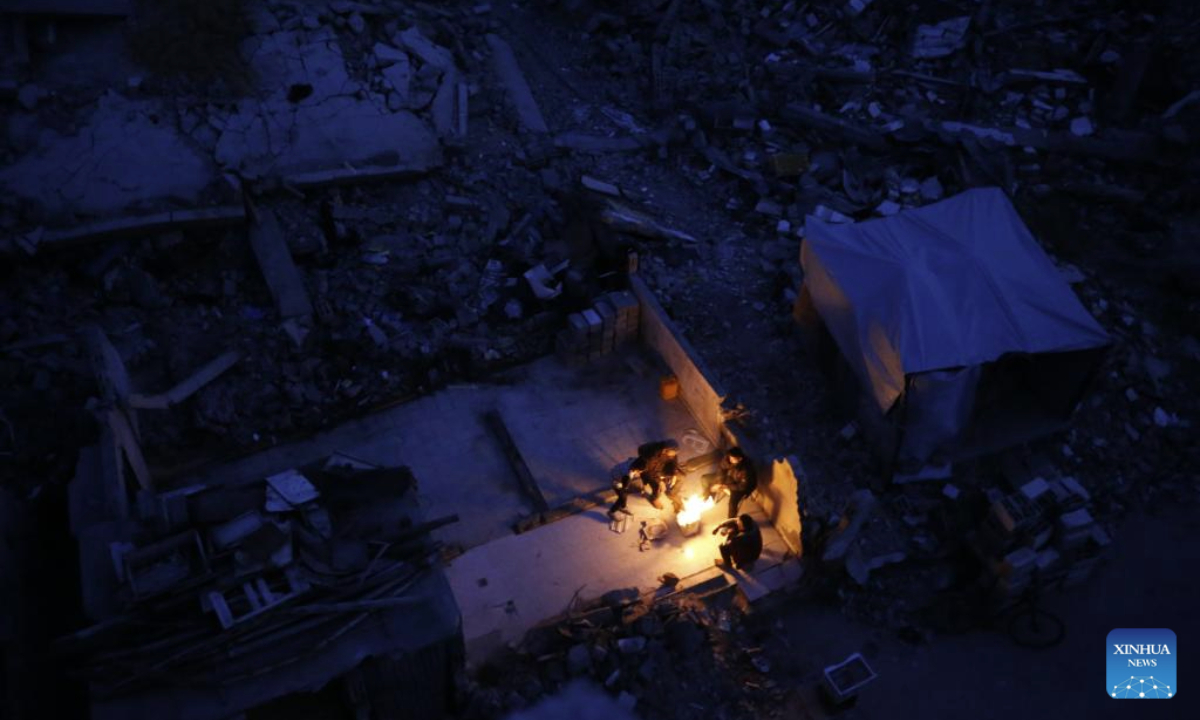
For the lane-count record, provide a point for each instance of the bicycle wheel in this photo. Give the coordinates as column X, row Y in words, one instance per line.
column 1035, row 628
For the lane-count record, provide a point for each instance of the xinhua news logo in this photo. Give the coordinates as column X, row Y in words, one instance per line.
column 1141, row 664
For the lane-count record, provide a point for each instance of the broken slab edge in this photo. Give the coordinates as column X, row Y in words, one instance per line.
column 349, row 176
column 128, row 226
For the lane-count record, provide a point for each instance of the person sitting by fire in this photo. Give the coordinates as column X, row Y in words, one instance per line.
column 737, row 477
column 657, row 464
column 742, row 544
column 620, row 486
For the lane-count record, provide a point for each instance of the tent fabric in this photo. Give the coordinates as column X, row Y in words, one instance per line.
column 954, row 284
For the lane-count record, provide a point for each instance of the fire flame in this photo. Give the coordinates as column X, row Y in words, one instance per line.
column 693, row 508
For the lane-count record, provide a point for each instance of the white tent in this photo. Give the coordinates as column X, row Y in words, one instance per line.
column 956, row 322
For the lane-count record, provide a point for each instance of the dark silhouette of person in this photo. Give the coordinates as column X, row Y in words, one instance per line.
column 620, row 485
column 657, row 464
column 742, row 544
column 737, row 476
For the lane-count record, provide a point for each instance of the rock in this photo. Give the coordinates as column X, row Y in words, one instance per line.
column 887, row 207
column 377, row 336
column 620, row 596
column 144, row 291
column 386, row 55
column 398, row 76
column 626, row 701
column 931, row 189
column 1162, row 418
column 631, row 645
column 28, row 96
column 311, row 22
column 862, row 504
column 512, row 309
column 579, row 659
column 357, row 24
column 1082, row 126
column 769, row 207
column 395, row 103
column 942, row 39
column 611, row 680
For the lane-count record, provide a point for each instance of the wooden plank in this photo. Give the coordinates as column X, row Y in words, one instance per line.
column 514, row 81
column 278, row 269
column 127, row 441
column 496, row 424
column 189, row 386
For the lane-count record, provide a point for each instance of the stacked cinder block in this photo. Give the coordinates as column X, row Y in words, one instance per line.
column 1044, row 526
column 606, row 326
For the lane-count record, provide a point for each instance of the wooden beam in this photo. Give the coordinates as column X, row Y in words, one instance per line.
column 496, row 424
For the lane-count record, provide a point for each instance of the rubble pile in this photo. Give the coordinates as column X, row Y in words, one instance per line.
column 451, row 183
column 220, row 585
column 687, row 654
column 847, row 111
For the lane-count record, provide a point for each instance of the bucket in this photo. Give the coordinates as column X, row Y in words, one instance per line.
column 668, row 387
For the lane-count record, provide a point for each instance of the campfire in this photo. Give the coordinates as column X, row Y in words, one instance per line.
column 689, row 517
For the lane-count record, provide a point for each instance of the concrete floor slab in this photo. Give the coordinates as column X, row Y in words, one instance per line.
column 508, row 586
column 114, row 162
column 571, row 426
column 572, row 436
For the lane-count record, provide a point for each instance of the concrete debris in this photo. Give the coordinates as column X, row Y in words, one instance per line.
column 509, row 72
column 623, row 218
column 942, row 39
column 429, row 53
column 278, row 269
column 931, row 189
column 600, row 186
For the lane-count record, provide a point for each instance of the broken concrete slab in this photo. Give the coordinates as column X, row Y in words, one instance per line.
column 115, row 161
column 386, row 55
column 339, row 131
column 398, row 75
column 514, row 81
column 429, row 53
column 326, row 126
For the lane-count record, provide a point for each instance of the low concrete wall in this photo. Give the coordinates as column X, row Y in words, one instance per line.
column 702, row 395
column 778, row 478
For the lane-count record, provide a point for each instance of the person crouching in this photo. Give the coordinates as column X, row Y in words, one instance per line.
column 742, row 544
